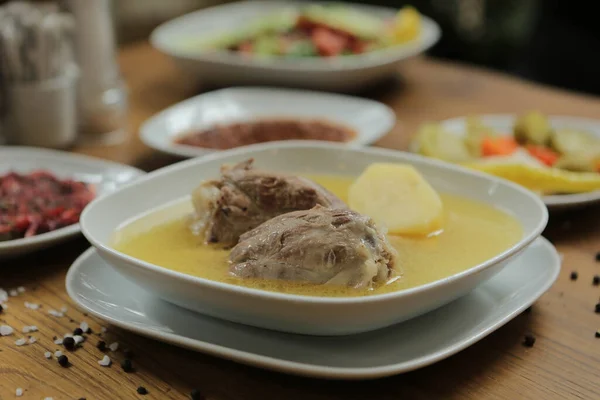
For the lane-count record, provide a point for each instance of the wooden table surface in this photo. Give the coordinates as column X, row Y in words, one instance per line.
column 563, row 364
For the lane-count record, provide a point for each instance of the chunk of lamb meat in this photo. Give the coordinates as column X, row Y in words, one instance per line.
column 321, row 245
column 246, row 197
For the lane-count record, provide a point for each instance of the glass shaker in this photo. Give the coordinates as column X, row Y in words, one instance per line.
column 102, row 94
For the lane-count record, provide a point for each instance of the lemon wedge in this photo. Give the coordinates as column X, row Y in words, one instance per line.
column 407, row 25
column 540, row 179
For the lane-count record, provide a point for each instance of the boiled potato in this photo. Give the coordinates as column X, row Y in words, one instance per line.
column 532, row 128
column 566, row 141
column 584, row 160
column 435, row 142
column 398, row 197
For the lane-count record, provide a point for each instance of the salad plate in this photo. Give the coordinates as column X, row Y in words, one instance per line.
column 504, row 123
column 104, row 176
column 177, row 38
column 367, row 119
column 292, row 312
column 97, row 288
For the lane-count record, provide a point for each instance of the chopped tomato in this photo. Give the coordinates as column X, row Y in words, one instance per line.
column 498, row 146
column 328, row 43
column 542, row 153
column 245, row 47
column 359, row 46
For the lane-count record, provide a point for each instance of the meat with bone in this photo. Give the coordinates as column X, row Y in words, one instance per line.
column 245, row 197
column 320, row 245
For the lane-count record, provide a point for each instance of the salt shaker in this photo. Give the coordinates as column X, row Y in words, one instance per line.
column 102, row 93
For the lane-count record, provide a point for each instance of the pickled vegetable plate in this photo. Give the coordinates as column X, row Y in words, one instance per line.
column 562, row 166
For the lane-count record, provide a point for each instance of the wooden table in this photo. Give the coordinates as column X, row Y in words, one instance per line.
column 565, row 362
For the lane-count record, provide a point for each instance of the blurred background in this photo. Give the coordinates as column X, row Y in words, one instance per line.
column 553, row 42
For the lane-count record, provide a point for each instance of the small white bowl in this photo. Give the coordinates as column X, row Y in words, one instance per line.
column 369, row 119
column 106, row 176
column 224, row 68
column 505, row 123
column 295, row 313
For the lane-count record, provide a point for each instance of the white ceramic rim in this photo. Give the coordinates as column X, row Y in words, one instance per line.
column 225, row 287
column 556, row 200
column 195, row 151
column 298, row 368
column 430, row 34
column 67, row 230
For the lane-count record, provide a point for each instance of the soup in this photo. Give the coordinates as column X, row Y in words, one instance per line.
column 473, row 232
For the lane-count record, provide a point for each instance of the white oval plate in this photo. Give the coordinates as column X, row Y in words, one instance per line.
column 97, row 288
column 224, row 68
column 369, row 119
column 505, row 122
column 294, row 313
column 106, row 176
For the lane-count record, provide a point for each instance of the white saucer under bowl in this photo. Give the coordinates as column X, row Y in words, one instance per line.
column 99, row 289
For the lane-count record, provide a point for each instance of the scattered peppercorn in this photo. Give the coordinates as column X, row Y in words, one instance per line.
column 69, row 343
column 597, row 309
column 128, row 353
column 574, row 276
column 101, row 345
column 596, row 280
column 88, row 330
column 71, row 320
column 142, row 390
column 54, row 338
column 78, row 332
column 196, row 395
column 1, row 308
column 598, row 256
column 529, row 340
column 82, row 398
column 598, row 333
column 63, row 361
column 127, row 365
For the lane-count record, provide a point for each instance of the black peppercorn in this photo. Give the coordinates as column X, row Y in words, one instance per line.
column 598, row 256
column 597, row 309
column 127, row 365
column 529, row 340
column 69, row 343
column 101, row 345
column 574, row 276
column 78, row 332
column 142, row 390
column 596, row 280
column 63, row 361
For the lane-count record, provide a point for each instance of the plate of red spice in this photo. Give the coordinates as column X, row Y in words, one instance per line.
column 43, row 192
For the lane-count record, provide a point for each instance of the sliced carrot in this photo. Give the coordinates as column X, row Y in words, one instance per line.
column 328, row 43
column 498, row 146
column 542, row 153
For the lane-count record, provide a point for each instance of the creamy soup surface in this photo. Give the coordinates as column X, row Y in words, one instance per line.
column 473, row 232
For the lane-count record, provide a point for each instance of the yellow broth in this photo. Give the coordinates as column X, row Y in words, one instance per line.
column 473, row 232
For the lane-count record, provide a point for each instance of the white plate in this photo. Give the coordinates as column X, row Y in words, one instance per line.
column 106, row 176
column 504, row 123
column 223, row 68
column 369, row 119
column 97, row 288
column 294, row 313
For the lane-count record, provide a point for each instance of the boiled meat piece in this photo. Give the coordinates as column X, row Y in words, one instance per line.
column 246, row 197
column 321, row 245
